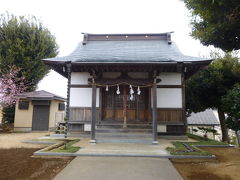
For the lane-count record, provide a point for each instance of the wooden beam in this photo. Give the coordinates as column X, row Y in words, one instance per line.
column 128, row 37
column 169, row 86
column 80, row 86
column 124, row 79
column 180, row 67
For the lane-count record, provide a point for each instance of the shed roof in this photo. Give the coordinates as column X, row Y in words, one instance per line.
column 127, row 48
column 205, row 118
column 41, row 95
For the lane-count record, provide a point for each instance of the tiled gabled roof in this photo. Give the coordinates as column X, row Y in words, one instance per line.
column 206, row 117
column 130, row 48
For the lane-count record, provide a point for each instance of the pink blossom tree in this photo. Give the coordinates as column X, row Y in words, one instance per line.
column 11, row 85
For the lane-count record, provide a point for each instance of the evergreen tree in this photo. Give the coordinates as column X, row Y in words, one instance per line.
column 24, row 41
column 231, row 105
column 216, row 22
column 206, row 88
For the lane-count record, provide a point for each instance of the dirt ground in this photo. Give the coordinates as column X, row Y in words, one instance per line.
column 225, row 167
column 17, row 163
column 15, row 140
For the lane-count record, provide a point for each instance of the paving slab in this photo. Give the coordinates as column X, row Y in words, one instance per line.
column 119, row 168
column 121, row 149
column 124, row 149
column 109, row 149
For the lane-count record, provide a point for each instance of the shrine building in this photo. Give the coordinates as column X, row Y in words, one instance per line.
column 128, row 81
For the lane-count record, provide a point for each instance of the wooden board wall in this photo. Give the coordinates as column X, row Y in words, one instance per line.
column 82, row 114
column 169, row 115
column 165, row 115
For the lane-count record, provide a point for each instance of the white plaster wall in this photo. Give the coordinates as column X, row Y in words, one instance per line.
column 169, row 97
column 80, row 78
column 87, row 127
column 161, row 128
column 170, row 79
column 82, row 97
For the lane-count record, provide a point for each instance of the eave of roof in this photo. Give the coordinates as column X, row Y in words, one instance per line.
column 41, row 95
column 46, row 98
column 204, row 124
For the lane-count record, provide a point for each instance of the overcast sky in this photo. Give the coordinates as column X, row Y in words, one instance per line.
column 67, row 19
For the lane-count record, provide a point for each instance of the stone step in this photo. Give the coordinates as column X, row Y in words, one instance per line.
column 57, row 135
column 123, row 130
column 123, row 135
column 143, row 137
column 120, row 125
column 121, row 140
column 79, row 134
column 128, row 122
column 116, row 137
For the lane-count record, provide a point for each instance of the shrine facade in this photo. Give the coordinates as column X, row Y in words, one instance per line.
column 127, row 79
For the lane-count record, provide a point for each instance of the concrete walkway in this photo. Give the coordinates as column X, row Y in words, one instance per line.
column 119, row 168
column 124, row 149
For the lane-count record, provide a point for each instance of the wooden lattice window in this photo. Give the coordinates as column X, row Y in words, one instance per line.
column 118, row 100
column 112, row 99
column 109, row 102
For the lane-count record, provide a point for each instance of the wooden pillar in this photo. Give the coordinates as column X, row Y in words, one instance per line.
column 137, row 108
column 154, row 112
column 184, row 119
column 113, row 105
column 93, row 122
column 68, row 66
column 100, row 105
column 125, row 107
column 149, row 104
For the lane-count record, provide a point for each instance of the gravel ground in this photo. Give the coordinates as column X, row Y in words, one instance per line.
column 15, row 140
